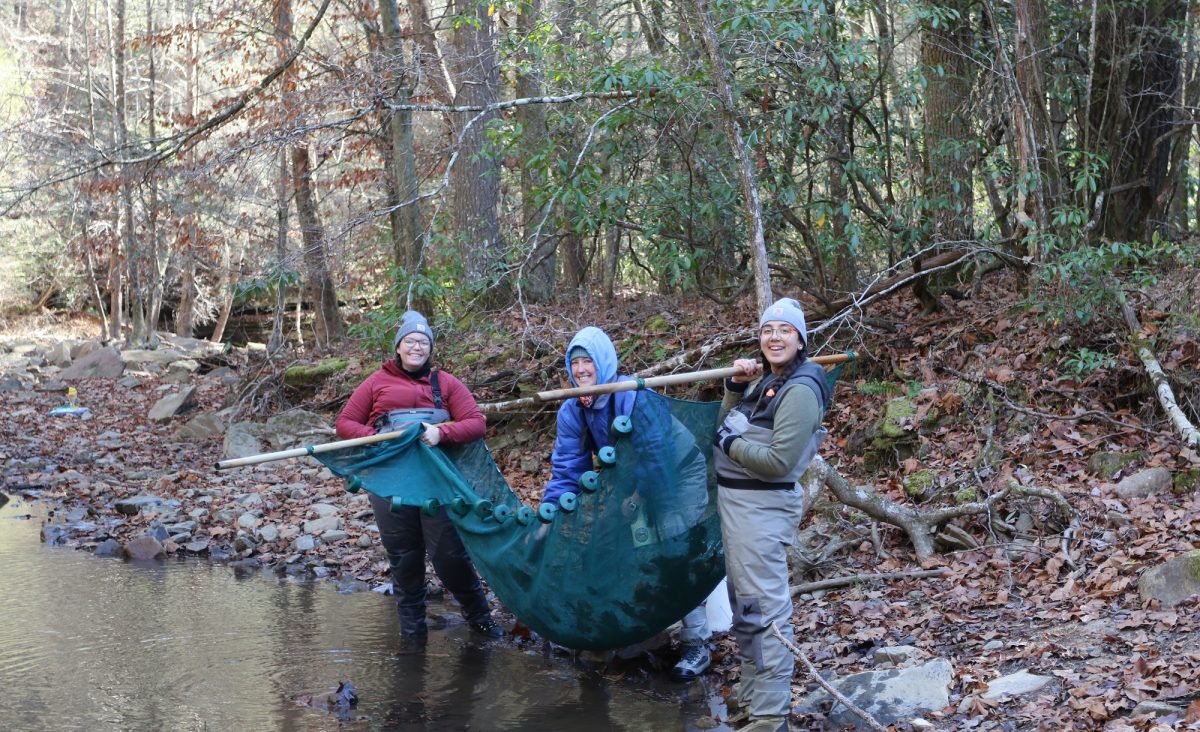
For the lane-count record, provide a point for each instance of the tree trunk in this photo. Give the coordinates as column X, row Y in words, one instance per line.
column 327, row 319
column 1134, row 112
column 185, row 316
column 738, row 149
column 949, row 150
column 540, row 263
column 318, row 282
column 282, row 225
column 475, row 179
column 400, row 74
column 1037, row 152
column 116, row 262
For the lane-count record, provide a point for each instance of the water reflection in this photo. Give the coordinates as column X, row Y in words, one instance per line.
column 90, row 643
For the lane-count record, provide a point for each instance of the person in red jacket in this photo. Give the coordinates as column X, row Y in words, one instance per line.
column 402, row 391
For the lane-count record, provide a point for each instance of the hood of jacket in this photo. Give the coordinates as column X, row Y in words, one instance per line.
column 604, row 354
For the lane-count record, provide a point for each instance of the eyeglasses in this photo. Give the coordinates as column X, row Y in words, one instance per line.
column 781, row 332
column 415, row 343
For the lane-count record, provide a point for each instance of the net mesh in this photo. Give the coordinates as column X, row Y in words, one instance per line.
column 635, row 548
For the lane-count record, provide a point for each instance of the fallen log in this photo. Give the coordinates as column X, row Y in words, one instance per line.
column 1158, row 377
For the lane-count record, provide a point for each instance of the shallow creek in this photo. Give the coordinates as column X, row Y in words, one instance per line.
column 88, row 643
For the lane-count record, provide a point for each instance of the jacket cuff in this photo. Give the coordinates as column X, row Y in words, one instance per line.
column 738, row 387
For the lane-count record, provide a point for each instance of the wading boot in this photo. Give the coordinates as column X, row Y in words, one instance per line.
column 487, row 627
column 766, row 724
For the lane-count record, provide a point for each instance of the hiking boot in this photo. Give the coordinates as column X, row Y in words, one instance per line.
column 766, row 724
column 695, row 661
column 487, row 627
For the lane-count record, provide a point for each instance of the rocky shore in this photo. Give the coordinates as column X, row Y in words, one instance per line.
column 126, row 462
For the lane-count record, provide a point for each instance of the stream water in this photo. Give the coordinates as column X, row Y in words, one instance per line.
column 88, row 643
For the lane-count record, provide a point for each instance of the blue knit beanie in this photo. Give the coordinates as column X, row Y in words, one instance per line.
column 790, row 312
column 413, row 322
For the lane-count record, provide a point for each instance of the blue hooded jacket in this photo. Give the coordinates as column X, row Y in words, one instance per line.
column 582, row 431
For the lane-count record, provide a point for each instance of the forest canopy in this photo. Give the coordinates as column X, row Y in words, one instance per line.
column 165, row 163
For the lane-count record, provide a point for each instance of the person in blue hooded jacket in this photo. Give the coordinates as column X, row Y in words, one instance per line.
column 583, row 425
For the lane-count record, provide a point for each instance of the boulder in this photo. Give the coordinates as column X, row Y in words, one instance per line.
column 167, row 407
column 1173, row 581
column 131, row 506
column 1144, row 483
column 59, row 354
column 243, row 440
column 295, row 428
column 1016, row 684
column 889, row 696
column 103, row 363
column 144, row 547
column 201, row 427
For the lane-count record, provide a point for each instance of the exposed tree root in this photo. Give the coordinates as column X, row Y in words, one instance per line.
column 922, row 525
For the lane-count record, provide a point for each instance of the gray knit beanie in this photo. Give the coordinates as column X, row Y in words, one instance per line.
column 790, row 312
column 578, row 352
column 413, row 322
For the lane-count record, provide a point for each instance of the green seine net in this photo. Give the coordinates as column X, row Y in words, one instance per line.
column 595, row 574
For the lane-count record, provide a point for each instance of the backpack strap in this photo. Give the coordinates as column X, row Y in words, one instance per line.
column 437, row 389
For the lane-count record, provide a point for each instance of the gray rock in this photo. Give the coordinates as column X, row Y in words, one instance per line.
column 144, row 547
column 288, row 532
column 321, row 525
column 244, row 544
column 324, row 509
column 1145, row 483
column 104, row 363
column 166, row 408
column 158, row 531
column 1022, row 682
column 199, row 513
column 1172, row 581
column 145, row 356
column 83, row 348
column 201, row 427
column 247, row 520
column 10, row 384
column 251, row 499
column 888, row 695
column 304, row 543
column 993, row 645
column 242, row 440
column 77, row 514
column 320, row 572
column 268, row 533
column 331, row 536
column 896, row 654
column 294, row 428
column 365, row 541
column 197, row 547
column 129, row 382
column 183, row 527
column 55, row 534
column 131, row 506
column 1156, row 709
column 59, row 354
column 109, row 548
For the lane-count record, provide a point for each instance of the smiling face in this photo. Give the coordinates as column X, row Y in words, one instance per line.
column 780, row 343
column 413, row 351
column 583, row 369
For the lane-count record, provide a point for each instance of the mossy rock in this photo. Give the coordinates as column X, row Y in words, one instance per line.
column 315, row 374
column 1186, row 481
column 920, row 482
column 1106, row 465
column 896, row 415
column 966, row 495
column 658, row 324
column 469, row 358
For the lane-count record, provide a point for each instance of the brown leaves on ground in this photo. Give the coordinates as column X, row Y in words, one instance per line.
column 993, row 404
